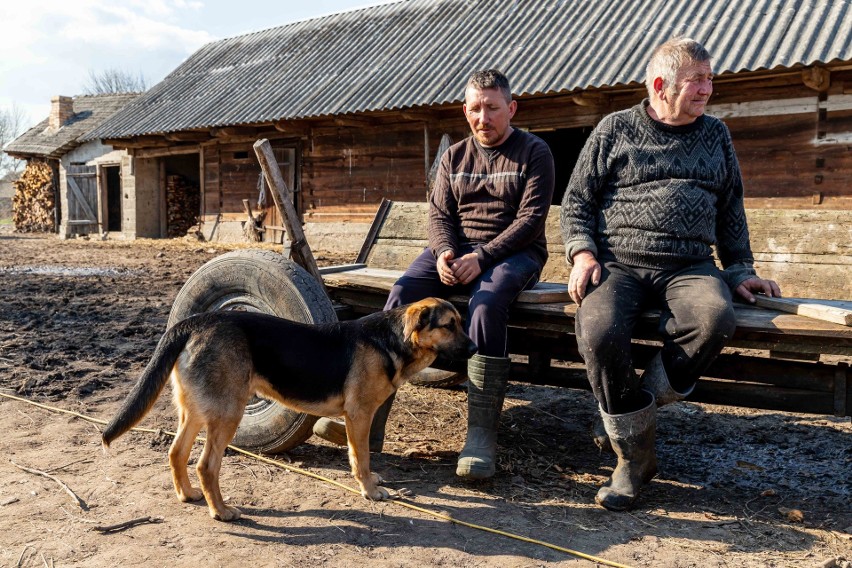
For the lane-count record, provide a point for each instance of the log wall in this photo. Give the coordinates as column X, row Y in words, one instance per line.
column 793, row 142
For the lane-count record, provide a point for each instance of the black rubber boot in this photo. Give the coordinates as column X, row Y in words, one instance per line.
column 334, row 431
column 487, row 378
column 654, row 380
column 632, row 436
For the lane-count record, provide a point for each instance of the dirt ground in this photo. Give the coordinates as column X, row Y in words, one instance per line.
column 79, row 320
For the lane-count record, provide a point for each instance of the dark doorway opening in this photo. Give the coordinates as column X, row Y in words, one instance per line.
column 183, row 193
column 565, row 145
column 112, row 175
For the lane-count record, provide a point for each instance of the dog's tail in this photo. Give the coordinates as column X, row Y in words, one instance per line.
column 150, row 384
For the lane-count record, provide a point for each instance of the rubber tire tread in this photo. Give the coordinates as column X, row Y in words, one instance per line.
column 268, row 282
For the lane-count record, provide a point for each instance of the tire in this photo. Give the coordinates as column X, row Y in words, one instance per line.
column 267, row 282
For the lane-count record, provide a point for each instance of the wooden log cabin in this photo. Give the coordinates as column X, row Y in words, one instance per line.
column 356, row 106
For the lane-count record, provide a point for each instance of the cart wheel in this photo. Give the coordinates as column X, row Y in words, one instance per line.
column 267, row 282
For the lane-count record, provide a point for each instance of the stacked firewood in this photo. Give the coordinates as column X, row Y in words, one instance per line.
column 183, row 200
column 34, row 202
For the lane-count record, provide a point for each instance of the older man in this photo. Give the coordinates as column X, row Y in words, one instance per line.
column 487, row 214
column 656, row 186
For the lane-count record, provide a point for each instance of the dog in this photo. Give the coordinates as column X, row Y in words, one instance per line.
column 218, row 360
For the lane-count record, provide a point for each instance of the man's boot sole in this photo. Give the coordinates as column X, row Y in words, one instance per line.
column 470, row 469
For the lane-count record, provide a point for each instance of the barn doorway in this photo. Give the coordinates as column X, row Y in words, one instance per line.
column 112, row 182
column 182, row 175
column 565, row 145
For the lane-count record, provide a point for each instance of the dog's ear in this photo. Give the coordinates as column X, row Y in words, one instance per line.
column 417, row 318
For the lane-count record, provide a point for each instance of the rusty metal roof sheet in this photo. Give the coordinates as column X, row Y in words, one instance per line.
column 420, row 52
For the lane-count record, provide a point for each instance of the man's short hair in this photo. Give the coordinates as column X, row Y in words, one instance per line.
column 490, row 79
column 669, row 57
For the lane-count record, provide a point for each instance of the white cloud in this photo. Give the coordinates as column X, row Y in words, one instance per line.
column 56, row 43
column 117, row 26
column 50, row 46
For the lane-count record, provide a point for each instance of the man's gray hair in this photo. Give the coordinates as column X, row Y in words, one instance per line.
column 490, row 79
column 669, row 57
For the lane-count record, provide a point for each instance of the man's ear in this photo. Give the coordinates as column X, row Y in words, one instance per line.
column 513, row 108
column 658, row 86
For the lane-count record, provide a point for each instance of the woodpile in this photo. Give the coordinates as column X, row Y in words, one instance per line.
column 183, row 202
column 34, row 202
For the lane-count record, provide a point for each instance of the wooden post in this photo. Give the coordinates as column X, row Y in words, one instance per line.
column 300, row 251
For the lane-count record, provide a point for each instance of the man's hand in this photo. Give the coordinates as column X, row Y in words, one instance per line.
column 754, row 284
column 465, row 268
column 445, row 272
column 586, row 269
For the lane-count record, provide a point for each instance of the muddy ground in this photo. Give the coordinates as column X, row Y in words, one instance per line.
column 79, row 320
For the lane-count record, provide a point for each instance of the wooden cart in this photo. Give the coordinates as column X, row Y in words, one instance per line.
column 776, row 360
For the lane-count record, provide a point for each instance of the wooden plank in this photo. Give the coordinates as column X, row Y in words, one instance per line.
column 381, row 280
column 809, row 280
column 833, row 311
column 545, row 293
column 375, row 227
column 843, row 262
column 795, row 231
column 800, row 397
column 340, row 268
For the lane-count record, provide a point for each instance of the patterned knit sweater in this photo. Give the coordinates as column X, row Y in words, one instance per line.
column 492, row 200
column 651, row 195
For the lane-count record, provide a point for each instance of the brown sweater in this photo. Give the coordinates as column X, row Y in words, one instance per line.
column 492, row 200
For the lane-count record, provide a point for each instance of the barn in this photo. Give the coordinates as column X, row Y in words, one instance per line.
column 86, row 190
column 357, row 104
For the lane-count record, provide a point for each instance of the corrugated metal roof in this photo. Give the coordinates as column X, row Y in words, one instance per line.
column 89, row 112
column 420, row 52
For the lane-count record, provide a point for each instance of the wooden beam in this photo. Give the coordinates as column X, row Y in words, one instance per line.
column 295, row 127
column 590, row 99
column 419, row 115
column 169, row 151
column 193, row 136
column 299, row 248
column 354, row 121
column 234, row 131
column 149, row 141
column 817, row 78
column 825, row 310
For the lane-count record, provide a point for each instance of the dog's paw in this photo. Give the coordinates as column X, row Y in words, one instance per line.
column 192, row 495
column 226, row 514
column 375, row 494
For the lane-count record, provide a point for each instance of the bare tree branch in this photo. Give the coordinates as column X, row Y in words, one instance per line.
column 13, row 121
column 109, row 81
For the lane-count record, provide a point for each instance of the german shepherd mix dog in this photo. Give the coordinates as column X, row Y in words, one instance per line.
column 218, row 360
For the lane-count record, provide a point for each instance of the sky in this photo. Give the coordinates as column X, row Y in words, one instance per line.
column 50, row 47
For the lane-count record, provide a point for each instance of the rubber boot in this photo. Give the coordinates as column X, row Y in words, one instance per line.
column 632, row 436
column 334, row 431
column 487, row 378
column 654, row 380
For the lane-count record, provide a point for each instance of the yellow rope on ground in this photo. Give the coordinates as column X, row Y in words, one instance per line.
column 324, row 479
